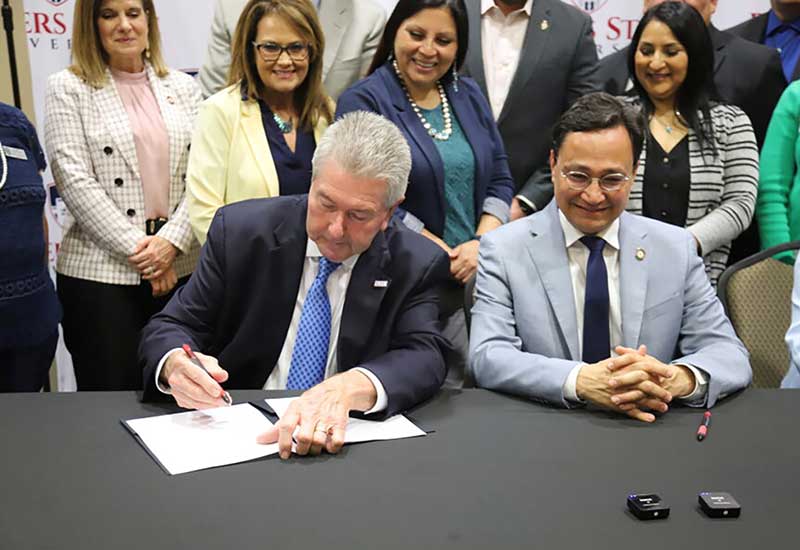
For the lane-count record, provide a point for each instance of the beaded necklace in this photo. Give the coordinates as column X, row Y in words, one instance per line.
column 444, row 135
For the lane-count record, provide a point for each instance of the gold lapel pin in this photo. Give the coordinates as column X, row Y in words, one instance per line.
column 544, row 25
column 640, row 254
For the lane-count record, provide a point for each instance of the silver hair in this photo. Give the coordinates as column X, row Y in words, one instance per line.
column 367, row 145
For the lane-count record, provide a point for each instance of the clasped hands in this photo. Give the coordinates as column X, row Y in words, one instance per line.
column 464, row 260
column 153, row 258
column 634, row 383
column 315, row 421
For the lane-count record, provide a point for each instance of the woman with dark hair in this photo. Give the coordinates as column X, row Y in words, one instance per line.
column 460, row 186
column 699, row 168
column 256, row 137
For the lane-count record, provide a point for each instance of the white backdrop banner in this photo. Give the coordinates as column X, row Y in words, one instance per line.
column 185, row 27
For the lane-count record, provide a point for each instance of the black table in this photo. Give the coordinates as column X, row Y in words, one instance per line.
column 498, row 472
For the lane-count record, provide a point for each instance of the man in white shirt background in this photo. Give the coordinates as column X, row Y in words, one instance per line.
column 532, row 59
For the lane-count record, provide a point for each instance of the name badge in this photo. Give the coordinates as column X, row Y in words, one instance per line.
column 14, row 153
column 380, row 284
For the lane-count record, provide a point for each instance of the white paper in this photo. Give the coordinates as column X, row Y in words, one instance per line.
column 194, row 440
column 359, row 430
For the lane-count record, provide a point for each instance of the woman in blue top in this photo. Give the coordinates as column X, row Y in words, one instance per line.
column 29, row 309
column 460, row 185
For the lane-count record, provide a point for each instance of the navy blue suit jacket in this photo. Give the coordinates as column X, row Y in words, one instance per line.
column 238, row 304
column 381, row 93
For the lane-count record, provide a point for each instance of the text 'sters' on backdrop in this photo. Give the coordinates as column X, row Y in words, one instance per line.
column 43, row 30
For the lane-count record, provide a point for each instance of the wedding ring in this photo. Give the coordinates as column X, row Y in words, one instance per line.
column 148, row 271
column 321, row 428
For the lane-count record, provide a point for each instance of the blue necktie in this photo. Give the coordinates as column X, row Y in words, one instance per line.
column 596, row 346
column 310, row 353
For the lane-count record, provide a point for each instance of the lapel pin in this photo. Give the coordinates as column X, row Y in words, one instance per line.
column 380, row 284
column 170, row 99
column 544, row 25
column 640, row 254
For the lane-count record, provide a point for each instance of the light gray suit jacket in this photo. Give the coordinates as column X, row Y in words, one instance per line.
column 524, row 337
column 557, row 65
column 352, row 30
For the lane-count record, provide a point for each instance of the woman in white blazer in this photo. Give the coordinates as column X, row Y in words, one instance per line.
column 117, row 131
column 699, row 168
column 256, row 137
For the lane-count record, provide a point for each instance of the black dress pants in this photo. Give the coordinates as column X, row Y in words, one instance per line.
column 102, row 324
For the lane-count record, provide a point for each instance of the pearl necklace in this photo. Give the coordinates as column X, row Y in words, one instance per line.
column 444, row 135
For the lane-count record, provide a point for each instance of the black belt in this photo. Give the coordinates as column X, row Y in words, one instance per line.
column 152, row 226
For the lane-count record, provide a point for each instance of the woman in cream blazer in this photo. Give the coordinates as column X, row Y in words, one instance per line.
column 256, row 137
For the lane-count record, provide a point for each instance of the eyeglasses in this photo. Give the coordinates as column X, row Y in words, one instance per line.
column 270, row 51
column 580, row 180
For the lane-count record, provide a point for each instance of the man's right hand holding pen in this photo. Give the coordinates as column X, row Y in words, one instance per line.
column 193, row 386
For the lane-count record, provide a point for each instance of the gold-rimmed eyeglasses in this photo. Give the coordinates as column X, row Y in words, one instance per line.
column 579, row 181
column 271, row 51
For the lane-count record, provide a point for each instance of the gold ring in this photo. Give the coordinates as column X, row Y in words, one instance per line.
column 321, row 428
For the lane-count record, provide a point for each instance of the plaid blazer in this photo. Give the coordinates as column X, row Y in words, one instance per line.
column 92, row 155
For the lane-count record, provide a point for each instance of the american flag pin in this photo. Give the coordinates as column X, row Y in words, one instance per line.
column 380, row 284
column 544, row 25
column 640, row 254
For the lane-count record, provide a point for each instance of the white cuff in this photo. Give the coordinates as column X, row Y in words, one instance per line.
column 570, row 388
column 698, row 395
column 161, row 388
column 382, row 400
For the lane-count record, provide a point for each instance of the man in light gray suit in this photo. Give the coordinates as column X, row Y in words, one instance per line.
column 531, row 59
column 583, row 303
column 352, row 30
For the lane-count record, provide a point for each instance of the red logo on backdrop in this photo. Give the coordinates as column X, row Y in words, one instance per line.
column 589, row 6
column 57, row 2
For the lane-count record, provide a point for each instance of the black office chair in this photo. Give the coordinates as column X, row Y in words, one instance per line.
column 756, row 294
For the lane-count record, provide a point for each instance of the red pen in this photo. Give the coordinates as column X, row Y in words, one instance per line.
column 702, row 431
column 195, row 361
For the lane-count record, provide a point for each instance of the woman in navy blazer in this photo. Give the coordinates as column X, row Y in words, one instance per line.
column 413, row 40
column 460, row 185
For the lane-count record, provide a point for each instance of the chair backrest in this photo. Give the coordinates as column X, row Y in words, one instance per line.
column 756, row 293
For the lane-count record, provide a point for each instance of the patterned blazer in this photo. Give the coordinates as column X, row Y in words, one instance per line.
column 93, row 157
column 723, row 187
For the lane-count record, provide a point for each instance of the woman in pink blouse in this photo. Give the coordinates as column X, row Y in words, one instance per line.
column 117, row 133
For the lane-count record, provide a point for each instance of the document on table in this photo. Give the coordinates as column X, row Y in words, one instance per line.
column 359, row 430
column 195, row 440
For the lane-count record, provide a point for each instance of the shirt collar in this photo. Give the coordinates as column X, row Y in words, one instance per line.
column 774, row 24
column 572, row 235
column 312, row 251
column 487, row 5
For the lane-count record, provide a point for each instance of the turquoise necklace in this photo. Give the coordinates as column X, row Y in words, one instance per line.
column 284, row 126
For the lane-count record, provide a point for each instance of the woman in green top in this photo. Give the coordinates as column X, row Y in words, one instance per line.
column 778, row 206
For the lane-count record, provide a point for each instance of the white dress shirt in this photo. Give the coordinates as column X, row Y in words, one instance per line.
column 578, row 256
column 502, row 38
column 336, row 286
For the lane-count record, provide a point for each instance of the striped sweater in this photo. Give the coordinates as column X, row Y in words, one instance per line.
column 723, row 187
